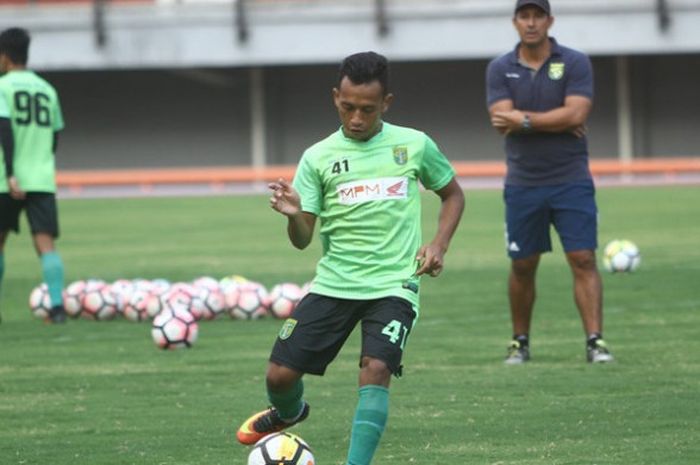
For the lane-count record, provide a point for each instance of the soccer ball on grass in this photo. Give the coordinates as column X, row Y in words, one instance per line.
column 136, row 308
column 621, row 255
column 283, row 299
column 281, row 449
column 99, row 304
column 213, row 301
column 73, row 298
column 174, row 329
column 40, row 301
column 251, row 301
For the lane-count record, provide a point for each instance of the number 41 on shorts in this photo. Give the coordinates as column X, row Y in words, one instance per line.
column 396, row 332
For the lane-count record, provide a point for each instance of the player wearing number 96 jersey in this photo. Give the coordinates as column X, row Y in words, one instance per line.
column 30, row 119
column 362, row 184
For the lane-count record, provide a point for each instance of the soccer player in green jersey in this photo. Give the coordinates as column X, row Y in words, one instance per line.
column 362, row 182
column 30, row 119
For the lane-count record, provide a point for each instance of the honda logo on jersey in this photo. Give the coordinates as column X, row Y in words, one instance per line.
column 367, row 190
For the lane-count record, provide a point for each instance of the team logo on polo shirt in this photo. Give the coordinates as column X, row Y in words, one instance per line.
column 556, row 71
column 400, row 155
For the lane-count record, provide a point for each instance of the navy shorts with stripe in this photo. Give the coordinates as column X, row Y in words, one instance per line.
column 570, row 208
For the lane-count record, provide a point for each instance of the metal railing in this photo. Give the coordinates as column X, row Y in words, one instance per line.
column 99, row 23
column 243, row 31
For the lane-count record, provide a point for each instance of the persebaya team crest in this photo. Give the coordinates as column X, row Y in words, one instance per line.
column 556, row 71
column 400, row 155
column 287, row 328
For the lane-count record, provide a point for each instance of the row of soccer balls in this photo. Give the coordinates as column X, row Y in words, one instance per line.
column 140, row 299
column 174, row 328
column 207, row 298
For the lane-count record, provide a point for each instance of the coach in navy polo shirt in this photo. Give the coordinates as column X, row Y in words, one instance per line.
column 539, row 96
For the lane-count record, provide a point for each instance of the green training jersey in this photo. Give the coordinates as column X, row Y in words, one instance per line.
column 32, row 105
column 367, row 198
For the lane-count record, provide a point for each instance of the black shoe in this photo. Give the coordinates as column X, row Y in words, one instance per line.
column 597, row 352
column 517, row 353
column 57, row 315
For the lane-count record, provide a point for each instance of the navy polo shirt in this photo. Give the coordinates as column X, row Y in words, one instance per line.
column 541, row 158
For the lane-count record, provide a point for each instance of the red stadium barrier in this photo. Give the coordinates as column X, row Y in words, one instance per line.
column 57, row 2
column 187, row 175
column 218, row 175
column 599, row 167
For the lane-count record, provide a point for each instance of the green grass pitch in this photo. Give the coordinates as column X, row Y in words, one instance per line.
column 102, row 393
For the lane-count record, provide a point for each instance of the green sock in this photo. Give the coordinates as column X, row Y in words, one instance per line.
column 52, row 269
column 368, row 424
column 288, row 404
column 2, row 269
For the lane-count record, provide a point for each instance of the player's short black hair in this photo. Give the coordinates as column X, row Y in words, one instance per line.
column 14, row 42
column 365, row 67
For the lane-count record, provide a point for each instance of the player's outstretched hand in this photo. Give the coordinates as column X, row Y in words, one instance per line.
column 15, row 191
column 430, row 260
column 285, row 199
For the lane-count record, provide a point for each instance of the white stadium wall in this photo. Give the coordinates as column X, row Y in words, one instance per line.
column 204, row 33
column 174, row 85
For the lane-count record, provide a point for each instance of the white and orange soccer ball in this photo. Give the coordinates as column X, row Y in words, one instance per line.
column 158, row 286
column 136, row 309
column 283, row 299
column 230, row 290
column 99, row 304
column 74, row 294
column 154, row 304
column 213, row 302
column 251, row 303
column 174, row 329
column 281, row 448
column 40, row 301
column 177, row 298
column 197, row 307
column 206, row 282
column 73, row 298
column 122, row 290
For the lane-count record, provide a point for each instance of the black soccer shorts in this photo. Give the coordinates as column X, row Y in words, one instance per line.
column 42, row 213
column 319, row 326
